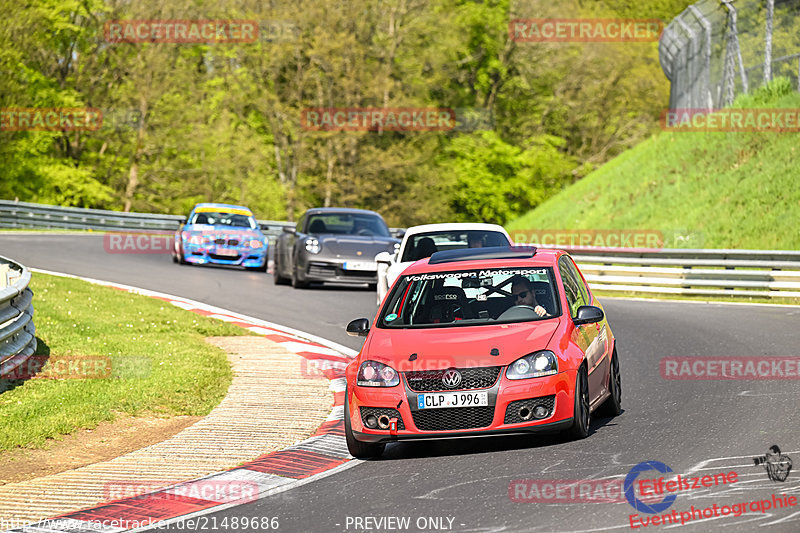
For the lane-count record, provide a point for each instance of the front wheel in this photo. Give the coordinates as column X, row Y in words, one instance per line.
column 581, row 418
column 297, row 283
column 358, row 449
column 276, row 272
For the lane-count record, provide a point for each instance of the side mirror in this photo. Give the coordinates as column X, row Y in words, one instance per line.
column 399, row 233
column 384, row 257
column 289, row 229
column 358, row 327
column 588, row 314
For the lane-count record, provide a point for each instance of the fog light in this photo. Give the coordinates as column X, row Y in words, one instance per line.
column 371, row 421
column 541, row 411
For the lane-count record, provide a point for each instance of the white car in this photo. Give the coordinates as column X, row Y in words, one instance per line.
column 420, row 242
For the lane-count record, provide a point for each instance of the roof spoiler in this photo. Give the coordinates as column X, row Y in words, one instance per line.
column 476, row 254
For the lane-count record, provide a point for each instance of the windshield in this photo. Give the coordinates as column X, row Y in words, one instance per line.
column 348, row 224
column 471, row 297
column 424, row 245
column 224, row 219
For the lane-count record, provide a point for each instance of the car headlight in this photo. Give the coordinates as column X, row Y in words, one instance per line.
column 533, row 365
column 312, row 245
column 255, row 243
column 375, row 374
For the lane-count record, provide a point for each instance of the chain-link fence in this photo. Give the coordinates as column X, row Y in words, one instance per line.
column 717, row 49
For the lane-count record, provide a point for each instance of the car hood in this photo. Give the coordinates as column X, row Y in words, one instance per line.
column 351, row 245
column 214, row 230
column 440, row 348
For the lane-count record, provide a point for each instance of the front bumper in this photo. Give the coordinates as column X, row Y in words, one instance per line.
column 501, row 395
column 334, row 271
column 245, row 256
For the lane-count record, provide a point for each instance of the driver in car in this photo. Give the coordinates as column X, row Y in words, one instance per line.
column 523, row 294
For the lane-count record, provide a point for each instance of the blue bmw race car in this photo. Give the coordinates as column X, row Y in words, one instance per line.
column 221, row 234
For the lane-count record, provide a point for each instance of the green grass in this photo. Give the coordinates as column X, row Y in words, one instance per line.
column 701, row 190
column 160, row 364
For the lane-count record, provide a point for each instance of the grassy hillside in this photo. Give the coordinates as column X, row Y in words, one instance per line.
column 721, row 190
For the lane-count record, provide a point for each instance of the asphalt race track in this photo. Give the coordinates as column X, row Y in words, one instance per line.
column 694, row 426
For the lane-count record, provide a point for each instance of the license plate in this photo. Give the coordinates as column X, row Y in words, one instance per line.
column 441, row 400
column 227, row 252
column 361, row 265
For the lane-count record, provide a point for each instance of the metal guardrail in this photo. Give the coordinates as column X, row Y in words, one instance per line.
column 17, row 332
column 761, row 273
column 25, row 215
column 747, row 273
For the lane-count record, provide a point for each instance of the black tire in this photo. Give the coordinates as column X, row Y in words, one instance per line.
column 613, row 404
column 297, row 283
column 262, row 268
column 277, row 279
column 581, row 418
column 180, row 260
column 358, row 449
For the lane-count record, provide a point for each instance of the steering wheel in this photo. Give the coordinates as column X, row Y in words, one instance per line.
column 518, row 312
column 366, row 232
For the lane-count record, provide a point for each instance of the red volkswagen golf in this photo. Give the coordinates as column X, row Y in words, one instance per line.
column 482, row 341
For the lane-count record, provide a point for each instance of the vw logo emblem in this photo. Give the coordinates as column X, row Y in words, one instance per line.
column 451, row 378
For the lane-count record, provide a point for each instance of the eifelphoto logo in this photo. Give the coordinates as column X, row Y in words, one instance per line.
column 181, row 31
column 138, row 242
column 591, row 238
column 731, row 120
column 216, row 490
column 583, row 30
column 730, row 368
column 775, row 463
column 378, row 119
column 50, row 119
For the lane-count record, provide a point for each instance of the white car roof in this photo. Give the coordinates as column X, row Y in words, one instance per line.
column 449, row 226
column 425, row 228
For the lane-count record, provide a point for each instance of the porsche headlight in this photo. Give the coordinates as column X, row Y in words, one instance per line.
column 312, row 245
column 533, row 365
column 375, row 374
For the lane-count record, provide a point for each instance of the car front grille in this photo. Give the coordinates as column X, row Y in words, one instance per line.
column 378, row 411
column 471, row 378
column 224, row 257
column 454, row 418
column 512, row 411
column 230, row 242
column 321, row 270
